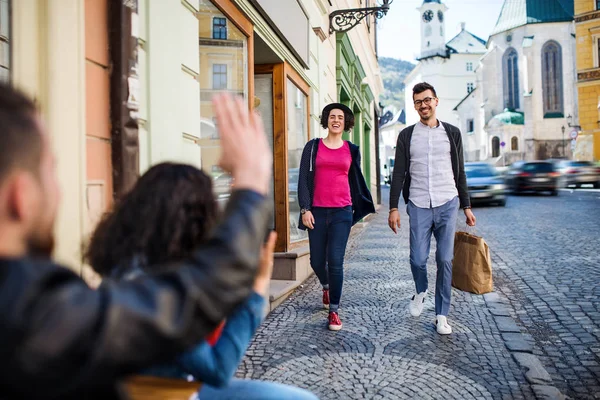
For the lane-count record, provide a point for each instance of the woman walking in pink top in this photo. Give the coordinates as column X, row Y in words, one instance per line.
column 333, row 196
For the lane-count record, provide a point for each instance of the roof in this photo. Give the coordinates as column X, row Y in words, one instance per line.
column 432, row 1
column 510, row 117
column 464, row 99
column 466, row 42
column 517, row 13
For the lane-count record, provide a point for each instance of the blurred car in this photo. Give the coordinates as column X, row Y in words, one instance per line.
column 485, row 183
column 578, row 173
column 533, row 176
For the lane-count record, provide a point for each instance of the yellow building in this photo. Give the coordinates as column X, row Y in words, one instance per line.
column 587, row 23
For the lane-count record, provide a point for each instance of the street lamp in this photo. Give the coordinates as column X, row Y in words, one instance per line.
column 344, row 20
column 563, row 132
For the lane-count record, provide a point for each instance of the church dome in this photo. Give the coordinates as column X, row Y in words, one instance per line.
column 510, row 117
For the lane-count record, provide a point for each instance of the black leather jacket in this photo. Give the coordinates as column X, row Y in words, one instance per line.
column 60, row 339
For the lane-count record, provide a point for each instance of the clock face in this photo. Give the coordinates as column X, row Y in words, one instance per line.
column 440, row 15
column 428, row 16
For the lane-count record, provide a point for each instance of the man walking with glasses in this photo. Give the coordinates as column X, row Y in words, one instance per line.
column 429, row 170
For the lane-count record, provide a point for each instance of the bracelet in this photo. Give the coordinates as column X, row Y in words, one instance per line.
column 393, row 209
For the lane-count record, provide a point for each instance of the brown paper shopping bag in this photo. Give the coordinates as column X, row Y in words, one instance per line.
column 472, row 266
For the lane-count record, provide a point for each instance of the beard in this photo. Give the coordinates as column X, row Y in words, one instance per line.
column 41, row 245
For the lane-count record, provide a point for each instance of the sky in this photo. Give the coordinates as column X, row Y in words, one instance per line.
column 399, row 34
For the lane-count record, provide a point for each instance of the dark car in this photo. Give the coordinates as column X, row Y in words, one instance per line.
column 533, row 176
column 485, row 184
column 578, row 173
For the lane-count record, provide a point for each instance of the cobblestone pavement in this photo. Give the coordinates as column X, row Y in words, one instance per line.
column 546, row 264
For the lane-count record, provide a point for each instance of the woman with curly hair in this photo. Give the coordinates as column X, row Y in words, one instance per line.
column 333, row 196
column 167, row 214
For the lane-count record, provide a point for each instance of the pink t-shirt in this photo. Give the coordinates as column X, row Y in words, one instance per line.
column 331, row 176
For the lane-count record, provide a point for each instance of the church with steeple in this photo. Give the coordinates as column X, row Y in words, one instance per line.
column 447, row 65
column 524, row 105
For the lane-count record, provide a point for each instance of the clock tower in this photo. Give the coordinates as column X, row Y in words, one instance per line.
column 433, row 31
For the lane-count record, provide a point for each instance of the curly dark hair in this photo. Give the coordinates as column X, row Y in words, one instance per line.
column 166, row 215
column 422, row 87
column 348, row 119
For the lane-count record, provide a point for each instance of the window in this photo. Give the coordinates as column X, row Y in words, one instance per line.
column 511, row 79
column 222, row 68
column 219, row 28
column 297, row 127
column 219, row 76
column 597, row 4
column 469, row 66
column 470, row 125
column 4, row 40
column 470, row 87
column 428, row 31
column 552, row 83
column 495, row 146
column 597, row 62
column 514, row 143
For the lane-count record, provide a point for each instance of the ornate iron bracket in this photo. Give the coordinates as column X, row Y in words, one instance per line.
column 344, row 20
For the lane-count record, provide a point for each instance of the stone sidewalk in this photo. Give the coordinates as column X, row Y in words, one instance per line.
column 384, row 353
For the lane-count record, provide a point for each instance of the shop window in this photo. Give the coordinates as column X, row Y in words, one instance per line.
column 219, row 76
column 297, row 128
column 219, row 28
column 4, row 40
column 222, row 68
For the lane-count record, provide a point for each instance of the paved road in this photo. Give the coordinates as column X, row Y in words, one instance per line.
column 547, row 255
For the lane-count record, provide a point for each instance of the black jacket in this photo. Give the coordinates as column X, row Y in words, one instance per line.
column 362, row 202
column 401, row 175
column 63, row 340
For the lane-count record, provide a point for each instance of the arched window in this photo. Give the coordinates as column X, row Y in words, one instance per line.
column 552, row 82
column 495, row 146
column 511, row 79
column 514, row 143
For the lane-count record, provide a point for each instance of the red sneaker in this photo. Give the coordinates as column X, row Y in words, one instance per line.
column 334, row 321
column 326, row 299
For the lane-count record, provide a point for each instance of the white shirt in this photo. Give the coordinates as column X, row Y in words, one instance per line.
column 432, row 179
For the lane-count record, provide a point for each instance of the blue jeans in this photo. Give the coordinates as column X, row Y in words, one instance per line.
column 327, row 243
column 441, row 221
column 246, row 389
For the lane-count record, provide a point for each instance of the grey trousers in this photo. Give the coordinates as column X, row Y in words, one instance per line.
column 441, row 221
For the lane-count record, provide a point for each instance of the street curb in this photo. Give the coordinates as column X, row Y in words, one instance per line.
column 520, row 347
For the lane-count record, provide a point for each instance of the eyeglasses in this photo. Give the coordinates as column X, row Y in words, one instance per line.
column 426, row 101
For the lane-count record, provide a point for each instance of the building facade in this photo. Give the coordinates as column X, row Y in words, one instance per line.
column 587, row 25
column 525, row 98
column 447, row 65
column 139, row 77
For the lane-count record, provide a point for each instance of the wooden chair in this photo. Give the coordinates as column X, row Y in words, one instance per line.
column 140, row 387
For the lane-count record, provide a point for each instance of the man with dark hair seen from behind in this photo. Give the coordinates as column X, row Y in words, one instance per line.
column 429, row 170
column 61, row 339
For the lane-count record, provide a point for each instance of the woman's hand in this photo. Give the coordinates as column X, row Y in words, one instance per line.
column 308, row 220
column 265, row 269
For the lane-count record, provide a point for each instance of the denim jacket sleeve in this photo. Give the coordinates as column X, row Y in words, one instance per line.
column 216, row 365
